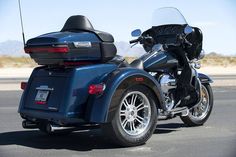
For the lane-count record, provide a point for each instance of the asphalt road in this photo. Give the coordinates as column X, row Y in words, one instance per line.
column 217, row 138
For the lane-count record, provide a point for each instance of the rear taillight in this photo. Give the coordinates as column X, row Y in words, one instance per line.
column 40, row 102
column 56, row 49
column 23, row 85
column 96, row 89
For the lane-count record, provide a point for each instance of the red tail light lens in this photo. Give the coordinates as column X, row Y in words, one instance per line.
column 57, row 49
column 23, row 85
column 96, row 89
column 40, row 102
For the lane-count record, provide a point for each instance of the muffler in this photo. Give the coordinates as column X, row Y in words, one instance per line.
column 50, row 128
column 29, row 125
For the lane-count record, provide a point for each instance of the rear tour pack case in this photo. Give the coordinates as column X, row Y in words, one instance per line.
column 77, row 41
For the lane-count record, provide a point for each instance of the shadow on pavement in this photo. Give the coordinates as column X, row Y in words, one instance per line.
column 168, row 128
column 78, row 141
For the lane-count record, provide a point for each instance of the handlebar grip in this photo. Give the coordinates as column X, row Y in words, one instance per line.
column 134, row 41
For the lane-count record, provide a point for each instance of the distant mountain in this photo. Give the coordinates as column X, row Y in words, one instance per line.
column 15, row 48
column 12, row 48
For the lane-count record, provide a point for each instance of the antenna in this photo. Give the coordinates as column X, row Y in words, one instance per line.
column 22, row 27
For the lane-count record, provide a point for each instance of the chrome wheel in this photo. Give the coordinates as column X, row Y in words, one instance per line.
column 200, row 111
column 134, row 113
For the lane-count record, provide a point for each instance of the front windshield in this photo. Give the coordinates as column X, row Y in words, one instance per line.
column 168, row 15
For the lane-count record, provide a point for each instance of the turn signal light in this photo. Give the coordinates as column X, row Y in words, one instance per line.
column 96, row 89
column 23, row 85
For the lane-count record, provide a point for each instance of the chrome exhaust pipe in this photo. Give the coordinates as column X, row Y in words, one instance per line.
column 29, row 125
column 50, row 128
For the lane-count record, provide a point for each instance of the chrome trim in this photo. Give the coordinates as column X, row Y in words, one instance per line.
column 156, row 61
column 44, row 88
column 79, row 44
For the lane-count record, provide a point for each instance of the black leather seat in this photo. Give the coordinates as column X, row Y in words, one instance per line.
column 82, row 23
column 120, row 61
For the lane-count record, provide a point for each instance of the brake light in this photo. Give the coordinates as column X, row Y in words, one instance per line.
column 59, row 49
column 23, row 85
column 96, row 89
column 40, row 102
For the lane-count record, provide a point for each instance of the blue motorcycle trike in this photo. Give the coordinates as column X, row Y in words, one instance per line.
column 82, row 83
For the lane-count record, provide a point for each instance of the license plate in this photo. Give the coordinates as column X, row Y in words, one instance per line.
column 42, row 95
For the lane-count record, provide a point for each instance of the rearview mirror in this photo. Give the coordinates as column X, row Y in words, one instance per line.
column 188, row 29
column 136, row 33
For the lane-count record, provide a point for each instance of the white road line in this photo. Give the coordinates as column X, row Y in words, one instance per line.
column 8, row 108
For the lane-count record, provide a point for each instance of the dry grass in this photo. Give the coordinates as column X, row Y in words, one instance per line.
column 130, row 59
column 218, row 60
column 210, row 60
column 6, row 61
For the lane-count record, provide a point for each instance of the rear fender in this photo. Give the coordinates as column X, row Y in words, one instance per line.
column 99, row 108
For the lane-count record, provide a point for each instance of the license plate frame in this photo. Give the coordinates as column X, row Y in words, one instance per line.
column 42, row 96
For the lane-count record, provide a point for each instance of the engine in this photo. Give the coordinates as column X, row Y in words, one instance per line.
column 168, row 84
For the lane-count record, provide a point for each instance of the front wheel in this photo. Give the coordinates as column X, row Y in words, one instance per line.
column 135, row 119
column 200, row 113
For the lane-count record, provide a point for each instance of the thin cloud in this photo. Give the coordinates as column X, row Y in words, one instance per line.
column 205, row 23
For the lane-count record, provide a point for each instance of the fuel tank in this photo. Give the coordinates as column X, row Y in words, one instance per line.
column 158, row 61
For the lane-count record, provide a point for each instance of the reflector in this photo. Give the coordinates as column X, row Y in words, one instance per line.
column 96, row 89
column 23, row 85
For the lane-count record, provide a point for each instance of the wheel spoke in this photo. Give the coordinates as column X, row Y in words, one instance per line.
column 122, row 113
column 140, row 118
column 124, row 123
column 133, row 99
column 143, row 107
column 126, row 103
column 132, row 127
column 140, row 105
column 195, row 111
column 139, row 121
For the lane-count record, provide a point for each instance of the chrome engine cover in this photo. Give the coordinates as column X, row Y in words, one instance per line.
column 167, row 83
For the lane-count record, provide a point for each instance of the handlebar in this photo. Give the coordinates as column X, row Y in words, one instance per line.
column 135, row 40
column 148, row 39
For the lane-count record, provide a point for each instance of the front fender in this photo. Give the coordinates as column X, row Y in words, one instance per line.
column 100, row 109
column 204, row 78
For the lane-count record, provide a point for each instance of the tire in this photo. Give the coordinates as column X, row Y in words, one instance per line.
column 192, row 120
column 134, row 131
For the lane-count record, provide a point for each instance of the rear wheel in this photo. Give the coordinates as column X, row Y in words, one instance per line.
column 135, row 119
column 200, row 113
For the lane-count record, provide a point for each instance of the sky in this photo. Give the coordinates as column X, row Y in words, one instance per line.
column 216, row 18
